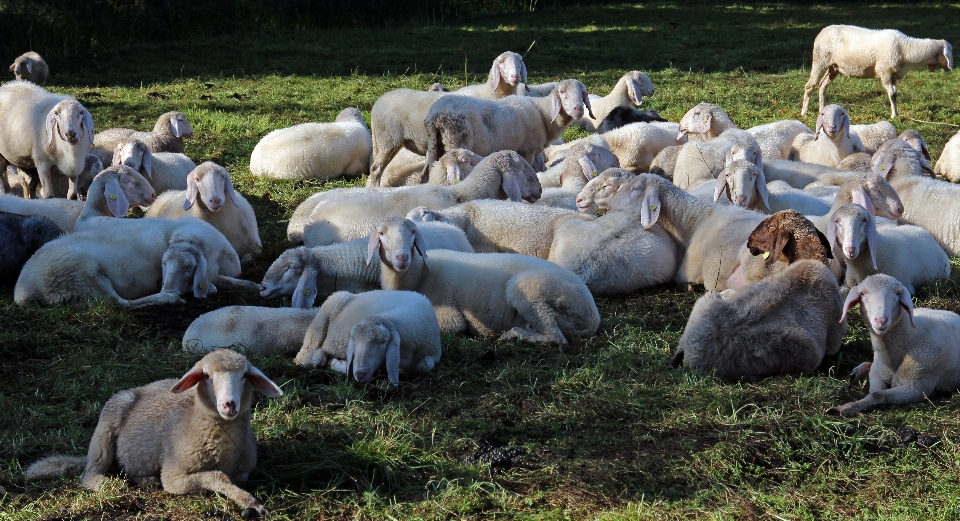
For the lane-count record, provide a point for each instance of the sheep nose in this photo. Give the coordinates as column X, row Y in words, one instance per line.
column 71, row 136
column 402, row 260
column 216, row 201
column 849, row 251
column 880, row 321
column 229, row 408
column 741, row 200
column 263, row 287
column 361, row 376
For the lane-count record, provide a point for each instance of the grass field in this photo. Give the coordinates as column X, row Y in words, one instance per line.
column 605, row 428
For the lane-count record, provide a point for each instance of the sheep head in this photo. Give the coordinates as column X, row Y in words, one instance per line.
column 135, row 154
column 882, row 300
column 374, row 343
column 788, row 236
column 832, row 120
column 208, row 183
column 459, row 163
column 944, row 59
column 596, row 195
column 698, row 120
column 69, row 121
column 638, row 86
column 850, row 227
column 874, row 193
column 177, row 123
column 570, row 97
column 509, row 67
column 741, row 180
column 395, row 240
column 224, row 380
column 185, row 269
column 291, row 274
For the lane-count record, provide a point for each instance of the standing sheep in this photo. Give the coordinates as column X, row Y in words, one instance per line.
column 856, row 52
column 396, row 121
column 31, row 67
column 508, row 76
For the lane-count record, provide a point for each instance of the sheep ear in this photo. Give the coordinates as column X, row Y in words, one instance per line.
column 373, row 246
column 859, row 196
column 853, row 298
column 200, row 285
column 175, row 127
column 907, row 304
column 260, row 382
column 554, row 104
column 393, row 357
column 494, row 75
column 720, row 187
column 193, row 377
column 883, row 165
column 511, row 184
column 30, row 66
column 761, row 185
column 228, row 187
column 585, row 96
column 730, row 158
column 819, row 127
column 454, row 173
column 116, row 201
column 825, row 243
column 831, row 233
column 86, row 120
column 351, row 351
column 780, row 242
column 116, row 154
column 306, row 291
column 147, row 162
column 632, row 93
column 50, row 127
column 872, row 241
column 419, row 245
column 650, row 209
column 193, row 190
column 846, row 123
column 587, row 167
column 523, row 74
column 948, row 54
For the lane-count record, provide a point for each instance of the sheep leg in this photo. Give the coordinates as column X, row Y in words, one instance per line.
column 526, row 293
column 891, row 86
column 861, row 371
column 231, row 282
column 215, row 480
column 45, row 171
column 103, row 445
column 426, row 365
column 816, row 72
column 337, row 365
column 163, row 297
column 380, row 161
column 899, row 395
column 830, row 76
column 72, row 188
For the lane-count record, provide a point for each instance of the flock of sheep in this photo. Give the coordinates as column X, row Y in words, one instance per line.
column 478, row 219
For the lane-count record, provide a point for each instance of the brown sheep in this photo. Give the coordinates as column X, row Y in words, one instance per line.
column 778, row 241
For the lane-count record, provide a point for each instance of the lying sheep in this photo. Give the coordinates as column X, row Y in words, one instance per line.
column 31, row 67
column 948, row 164
column 856, row 52
column 393, row 330
column 746, row 186
column 665, row 163
column 784, row 324
column 833, row 122
column 208, row 187
column 624, row 115
column 910, row 363
column 525, row 125
column 167, row 136
column 315, row 150
column 556, row 153
column 20, row 238
column 165, row 170
column 908, row 253
column 637, row 144
column 508, row 76
column 868, row 138
column 703, row 161
column 406, row 169
column 915, row 140
column 44, row 131
column 265, row 331
column 346, row 214
column 192, row 434
column 704, row 122
column 630, row 88
column 595, row 195
column 396, row 121
column 856, row 162
column 776, row 139
column 522, row 297
column 573, row 173
column 869, row 190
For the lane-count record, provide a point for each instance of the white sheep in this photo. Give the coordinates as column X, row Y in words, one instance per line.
column 637, row 144
column 630, row 88
column 856, row 52
column 555, row 153
column 584, row 163
column 208, row 187
column 165, row 170
column 406, row 169
column 746, row 186
column 522, row 297
column 665, row 163
column 261, row 330
column 191, row 434
column 833, row 122
column 855, row 162
column 31, row 67
column 906, row 252
column 783, row 324
column 167, row 136
column 776, row 139
column 396, row 121
column 508, row 76
column 345, row 214
column 29, row 180
column 704, row 122
column 703, row 161
column 315, row 150
column 915, row 140
column 526, row 125
column 868, row 138
column 948, row 164
column 799, row 174
column 910, row 362
column 595, row 195
column 48, row 132
column 394, row 330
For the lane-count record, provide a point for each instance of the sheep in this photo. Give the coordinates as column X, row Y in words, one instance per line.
column 665, row 163
column 624, row 115
column 44, row 131
column 930, row 203
column 869, row 190
column 799, row 174
column 523, row 297
column 193, row 434
column 856, row 162
column 630, row 88
column 303, row 273
column 406, row 168
column 553, row 154
column 265, row 331
column 868, row 138
column 31, row 67
column 395, row 330
column 508, row 76
column 776, row 139
column 910, row 363
column 915, row 140
column 167, row 136
column 573, row 173
column 315, row 150
column 908, row 253
column 637, row 144
column 523, row 124
column 345, row 214
column 20, row 238
column 29, row 179
column 208, row 186
column 396, row 121
column 745, row 185
column 595, row 195
column 703, row 161
column 784, row 324
column 856, row 52
column 437, row 87
column 948, row 164
column 704, row 122
column 834, row 123
column 165, row 170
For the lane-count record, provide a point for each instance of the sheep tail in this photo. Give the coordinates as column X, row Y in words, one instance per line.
column 56, row 466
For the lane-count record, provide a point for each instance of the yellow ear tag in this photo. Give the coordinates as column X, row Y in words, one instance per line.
column 203, row 285
column 883, row 167
column 113, row 196
column 766, row 254
column 307, row 292
column 455, row 181
column 594, row 174
column 653, row 207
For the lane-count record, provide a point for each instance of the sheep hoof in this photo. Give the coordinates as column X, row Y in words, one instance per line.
column 861, row 371
column 258, row 512
column 842, row 410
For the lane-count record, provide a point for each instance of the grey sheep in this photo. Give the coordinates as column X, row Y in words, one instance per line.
column 31, row 67
column 20, row 237
column 167, row 136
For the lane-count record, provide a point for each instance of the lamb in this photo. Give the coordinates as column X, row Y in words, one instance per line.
column 704, row 122
column 908, row 253
column 508, row 76
column 699, row 162
column 856, row 52
column 20, row 238
column 912, row 363
column 265, row 331
column 303, row 273
column 595, row 195
column 345, row 214
column 573, row 173
column 624, row 115
column 834, row 123
column 167, row 136
column 948, row 164
column 869, row 137
column 776, row 139
column 29, row 180
column 396, row 121
column 523, row 297
column 31, row 67
column 315, row 150
column 207, row 187
column 44, row 131
column 784, row 324
column 437, row 87
column 165, row 170
column 523, row 124
column 193, row 434
column 637, row 144
column 395, row 330
column 746, row 186
column 631, row 88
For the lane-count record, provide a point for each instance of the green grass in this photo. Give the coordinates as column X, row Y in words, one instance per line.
column 610, row 431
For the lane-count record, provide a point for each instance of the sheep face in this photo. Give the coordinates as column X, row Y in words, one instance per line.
column 944, row 61
column 135, row 188
column 789, row 237
column 22, row 67
column 570, row 97
column 374, row 344
column 286, row 274
column 509, row 67
column 850, row 228
column 882, row 300
column 185, row 269
column 741, row 180
column 833, row 120
column 69, row 121
column 395, row 240
column 224, row 380
column 878, row 197
column 596, row 195
column 210, row 183
column 638, row 86
column 178, row 124
column 697, row 120
column 459, row 163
